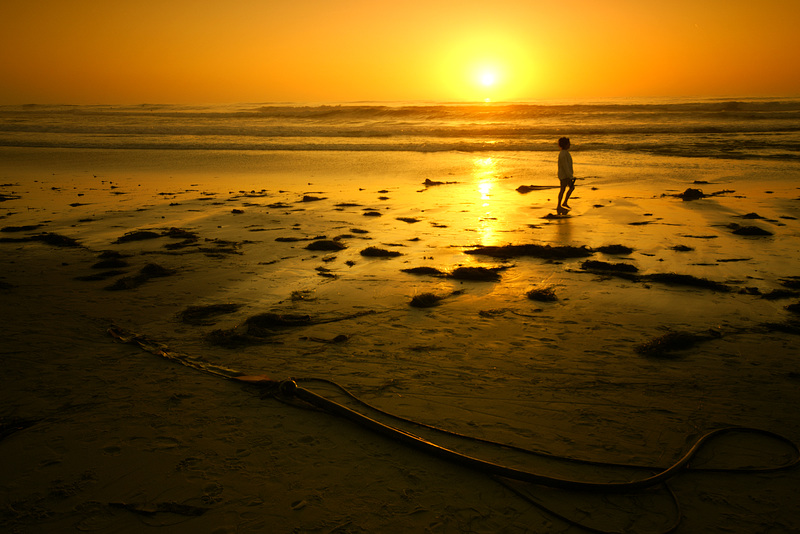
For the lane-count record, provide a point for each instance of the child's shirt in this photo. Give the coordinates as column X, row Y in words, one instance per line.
column 565, row 165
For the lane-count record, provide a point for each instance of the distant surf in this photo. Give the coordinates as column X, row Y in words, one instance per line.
column 752, row 128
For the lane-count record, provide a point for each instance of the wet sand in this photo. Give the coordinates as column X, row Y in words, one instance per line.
column 104, row 436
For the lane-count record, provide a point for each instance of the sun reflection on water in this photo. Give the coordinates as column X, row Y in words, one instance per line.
column 484, row 173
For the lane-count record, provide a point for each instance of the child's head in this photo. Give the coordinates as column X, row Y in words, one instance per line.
column 564, row 142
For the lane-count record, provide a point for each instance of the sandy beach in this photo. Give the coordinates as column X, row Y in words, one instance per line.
column 618, row 334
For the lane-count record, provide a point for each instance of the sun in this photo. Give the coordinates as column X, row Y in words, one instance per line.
column 491, row 66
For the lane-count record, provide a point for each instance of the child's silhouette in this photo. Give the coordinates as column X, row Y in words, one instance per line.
column 565, row 176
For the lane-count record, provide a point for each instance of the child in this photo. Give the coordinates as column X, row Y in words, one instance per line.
column 564, row 176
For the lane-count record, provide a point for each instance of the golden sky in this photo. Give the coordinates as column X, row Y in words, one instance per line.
column 204, row 51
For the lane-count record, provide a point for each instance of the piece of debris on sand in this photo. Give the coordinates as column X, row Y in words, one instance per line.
column 523, row 189
column 696, row 194
column 429, row 183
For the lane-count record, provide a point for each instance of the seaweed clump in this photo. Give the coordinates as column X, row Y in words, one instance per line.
column 542, row 294
column 375, row 252
column 602, row 266
column 485, row 274
column 663, row 346
column 136, row 235
column 326, row 245
column 686, row 280
column 617, row 250
column 151, row 270
column 691, row 194
column 432, row 271
column 56, row 240
column 535, row 250
column 748, row 230
column 202, row 315
column 426, row 300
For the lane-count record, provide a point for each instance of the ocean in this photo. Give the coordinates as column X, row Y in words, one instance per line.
column 750, row 128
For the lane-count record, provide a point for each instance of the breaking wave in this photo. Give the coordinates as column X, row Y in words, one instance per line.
column 746, row 128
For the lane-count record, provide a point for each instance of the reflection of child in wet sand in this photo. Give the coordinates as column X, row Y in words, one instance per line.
column 565, row 176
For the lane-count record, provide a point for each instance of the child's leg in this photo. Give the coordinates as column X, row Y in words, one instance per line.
column 561, row 195
column 569, row 192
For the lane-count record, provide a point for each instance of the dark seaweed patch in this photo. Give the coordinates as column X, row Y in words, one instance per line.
column 602, row 266
column 663, row 346
column 778, row 294
column 151, row 270
column 617, row 250
column 431, row 271
column 180, row 233
column 524, row 189
column 787, row 327
column 542, row 294
column 105, row 275
column 25, row 228
column 428, row 183
column 375, row 252
column 9, row 425
column 326, row 245
column 426, row 300
column 110, row 263
column 136, row 235
column 748, row 230
column 481, row 274
column 792, row 282
column 202, row 315
column 685, row 280
column 534, row 250
column 263, row 327
column 55, row 240
column 691, row 194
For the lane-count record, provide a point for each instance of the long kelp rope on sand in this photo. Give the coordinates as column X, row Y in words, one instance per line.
column 289, row 390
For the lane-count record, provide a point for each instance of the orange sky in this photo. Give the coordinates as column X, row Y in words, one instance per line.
column 204, row 51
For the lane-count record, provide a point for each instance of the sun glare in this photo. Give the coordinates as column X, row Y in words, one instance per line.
column 489, row 68
column 488, row 78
